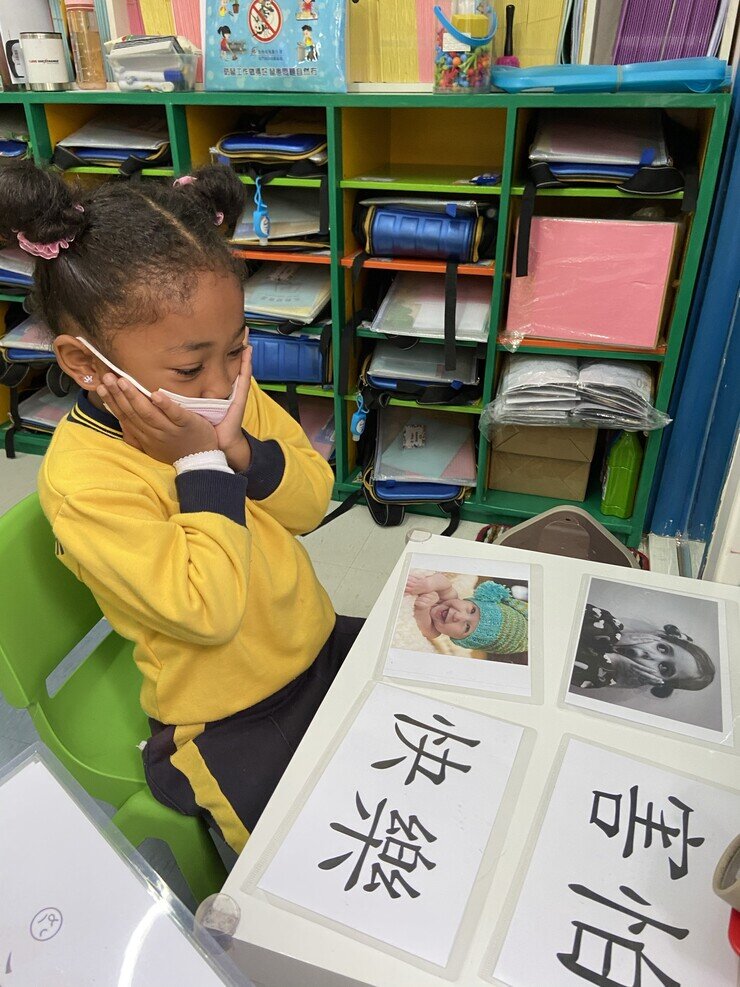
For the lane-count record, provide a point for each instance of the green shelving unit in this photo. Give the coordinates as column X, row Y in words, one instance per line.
column 423, row 143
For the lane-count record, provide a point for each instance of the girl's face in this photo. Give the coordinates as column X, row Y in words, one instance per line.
column 643, row 658
column 455, row 618
column 194, row 350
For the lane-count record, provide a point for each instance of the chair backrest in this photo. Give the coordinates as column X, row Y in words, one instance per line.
column 44, row 610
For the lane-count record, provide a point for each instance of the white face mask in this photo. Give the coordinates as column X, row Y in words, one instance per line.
column 214, row 410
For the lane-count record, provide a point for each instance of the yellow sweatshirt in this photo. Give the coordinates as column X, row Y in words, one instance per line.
column 201, row 571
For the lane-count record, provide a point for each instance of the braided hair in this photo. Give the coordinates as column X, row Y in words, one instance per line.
column 132, row 250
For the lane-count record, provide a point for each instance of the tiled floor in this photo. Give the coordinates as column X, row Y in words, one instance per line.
column 352, row 556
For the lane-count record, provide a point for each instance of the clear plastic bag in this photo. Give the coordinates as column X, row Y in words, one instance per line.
column 565, row 391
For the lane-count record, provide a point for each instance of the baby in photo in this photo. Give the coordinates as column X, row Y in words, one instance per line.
column 493, row 620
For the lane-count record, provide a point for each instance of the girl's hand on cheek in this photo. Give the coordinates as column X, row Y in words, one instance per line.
column 229, row 433
column 158, row 427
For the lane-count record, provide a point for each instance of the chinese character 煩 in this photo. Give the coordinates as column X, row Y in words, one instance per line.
column 394, row 855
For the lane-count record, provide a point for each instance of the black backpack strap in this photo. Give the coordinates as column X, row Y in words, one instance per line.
column 343, row 508
column 654, row 180
column 291, row 396
column 525, row 229
column 450, row 315
column 453, row 508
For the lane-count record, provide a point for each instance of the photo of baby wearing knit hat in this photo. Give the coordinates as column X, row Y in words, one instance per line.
column 457, row 625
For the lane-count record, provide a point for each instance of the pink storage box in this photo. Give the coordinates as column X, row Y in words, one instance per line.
column 599, row 281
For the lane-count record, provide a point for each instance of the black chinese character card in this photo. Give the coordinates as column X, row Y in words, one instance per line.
column 619, row 888
column 655, row 658
column 464, row 623
column 72, row 910
column 391, row 838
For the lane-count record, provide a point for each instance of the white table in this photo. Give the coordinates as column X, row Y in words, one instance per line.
column 278, row 948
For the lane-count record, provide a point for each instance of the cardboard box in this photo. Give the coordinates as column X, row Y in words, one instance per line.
column 574, row 444
column 547, row 462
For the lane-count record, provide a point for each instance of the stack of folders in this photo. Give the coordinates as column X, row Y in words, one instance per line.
column 316, row 416
column 282, row 294
column 587, row 146
column 628, row 31
column 415, row 306
column 110, row 143
column 540, row 390
column 295, row 221
column 43, row 411
column 31, row 341
column 14, row 139
column 649, row 30
column 16, row 269
column 419, row 446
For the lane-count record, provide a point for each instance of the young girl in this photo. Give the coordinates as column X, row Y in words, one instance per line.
column 176, row 486
column 663, row 658
column 494, row 619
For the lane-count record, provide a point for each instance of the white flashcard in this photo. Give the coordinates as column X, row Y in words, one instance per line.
column 71, row 910
column 619, row 888
column 390, row 840
column 464, row 623
column 655, row 658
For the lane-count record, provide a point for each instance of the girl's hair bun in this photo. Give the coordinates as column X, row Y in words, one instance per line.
column 220, row 191
column 39, row 204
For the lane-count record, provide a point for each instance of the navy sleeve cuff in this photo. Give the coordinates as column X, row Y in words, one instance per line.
column 267, row 468
column 213, row 491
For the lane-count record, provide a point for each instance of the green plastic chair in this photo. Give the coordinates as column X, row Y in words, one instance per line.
column 95, row 722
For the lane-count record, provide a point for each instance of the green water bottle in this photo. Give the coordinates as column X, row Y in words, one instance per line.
column 621, row 473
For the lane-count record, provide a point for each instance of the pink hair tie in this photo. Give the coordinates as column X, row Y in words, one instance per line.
column 47, row 251
column 185, row 180
column 219, row 218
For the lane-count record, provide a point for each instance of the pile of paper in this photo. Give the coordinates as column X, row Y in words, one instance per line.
column 110, row 142
column 541, row 390
column 16, row 269
column 415, row 306
column 287, row 293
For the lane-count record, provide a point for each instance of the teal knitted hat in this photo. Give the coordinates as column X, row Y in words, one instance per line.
column 503, row 627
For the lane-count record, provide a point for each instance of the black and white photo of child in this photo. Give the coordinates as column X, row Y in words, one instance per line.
column 646, row 653
column 463, row 623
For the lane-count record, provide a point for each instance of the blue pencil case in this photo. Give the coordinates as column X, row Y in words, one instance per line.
column 271, row 147
column 13, row 149
column 298, row 359
column 404, row 491
column 694, row 75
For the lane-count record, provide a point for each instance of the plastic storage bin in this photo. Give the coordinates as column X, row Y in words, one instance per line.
column 298, row 359
column 162, row 72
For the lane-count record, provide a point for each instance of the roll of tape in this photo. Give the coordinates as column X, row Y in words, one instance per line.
column 726, row 882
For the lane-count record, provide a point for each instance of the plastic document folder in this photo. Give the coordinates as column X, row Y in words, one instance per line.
column 295, row 292
column 43, row 411
column 589, row 138
column 112, row 142
column 423, row 362
column 32, row 339
column 294, row 213
column 16, row 268
column 594, row 281
column 317, row 421
column 415, row 306
column 425, row 446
